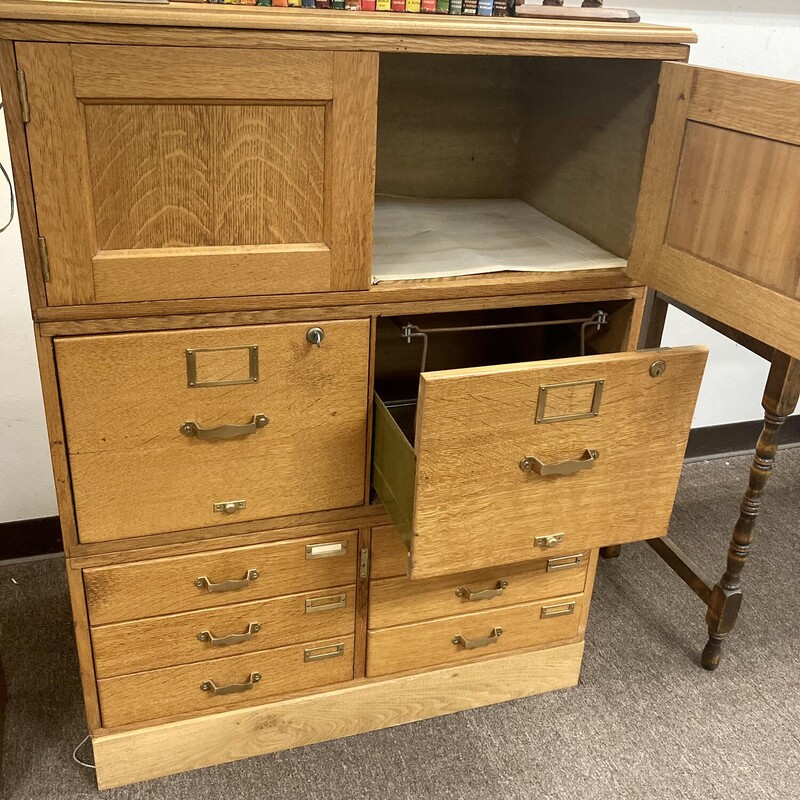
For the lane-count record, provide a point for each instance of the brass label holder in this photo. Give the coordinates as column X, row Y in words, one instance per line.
column 328, row 603
column 559, row 610
column 565, row 562
column 326, row 550
column 323, row 652
column 593, row 410
column 191, row 366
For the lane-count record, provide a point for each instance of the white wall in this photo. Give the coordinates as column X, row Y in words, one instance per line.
column 26, row 479
column 758, row 36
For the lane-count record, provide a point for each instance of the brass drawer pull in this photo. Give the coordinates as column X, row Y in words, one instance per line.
column 326, row 550
column 227, row 586
column 467, row 594
column 225, row 431
column 231, row 638
column 565, row 562
column 231, row 688
column 533, row 464
column 321, row 653
column 471, row 644
column 325, row 603
column 560, row 610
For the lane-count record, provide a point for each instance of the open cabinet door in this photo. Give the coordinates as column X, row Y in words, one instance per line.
column 718, row 223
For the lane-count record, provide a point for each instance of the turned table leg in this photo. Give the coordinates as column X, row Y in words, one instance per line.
column 780, row 400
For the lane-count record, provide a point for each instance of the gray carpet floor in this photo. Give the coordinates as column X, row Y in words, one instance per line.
column 645, row 722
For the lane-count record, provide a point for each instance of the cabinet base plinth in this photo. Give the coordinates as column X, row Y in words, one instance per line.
column 152, row 752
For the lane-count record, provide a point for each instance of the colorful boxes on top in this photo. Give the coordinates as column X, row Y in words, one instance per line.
column 484, row 8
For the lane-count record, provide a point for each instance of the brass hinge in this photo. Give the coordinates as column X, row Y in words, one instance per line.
column 363, row 563
column 44, row 258
column 23, row 96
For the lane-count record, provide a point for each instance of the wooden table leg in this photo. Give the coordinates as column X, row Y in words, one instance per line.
column 780, row 399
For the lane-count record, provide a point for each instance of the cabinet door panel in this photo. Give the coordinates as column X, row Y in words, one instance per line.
column 165, row 173
column 717, row 226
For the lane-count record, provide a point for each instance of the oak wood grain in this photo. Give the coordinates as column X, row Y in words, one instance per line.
column 350, row 164
column 163, row 693
column 131, row 34
column 742, row 268
column 135, row 473
column 224, row 536
column 439, row 294
column 60, row 171
column 475, row 425
column 388, row 553
column 190, row 15
column 661, row 164
column 430, row 643
column 434, row 142
column 362, row 606
column 48, row 379
column 130, row 72
column 176, row 176
column 146, row 644
column 161, row 274
column 400, row 601
column 765, row 107
column 83, row 642
column 735, row 204
column 167, row 585
column 149, row 752
column 584, row 144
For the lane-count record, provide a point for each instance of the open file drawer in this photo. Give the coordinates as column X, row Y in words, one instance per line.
column 499, row 464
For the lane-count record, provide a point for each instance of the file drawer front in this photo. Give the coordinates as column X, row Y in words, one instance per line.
column 223, row 683
column 177, row 430
column 186, row 638
column 221, row 577
column 454, row 640
column 544, row 458
column 398, row 601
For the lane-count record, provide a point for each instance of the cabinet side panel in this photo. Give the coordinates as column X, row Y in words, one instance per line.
column 84, row 644
column 585, row 143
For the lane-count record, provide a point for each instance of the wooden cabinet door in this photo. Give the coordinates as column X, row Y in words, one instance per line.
column 179, row 172
column 718, row 223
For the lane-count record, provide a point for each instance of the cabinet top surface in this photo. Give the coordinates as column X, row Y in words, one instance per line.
column 194, row 15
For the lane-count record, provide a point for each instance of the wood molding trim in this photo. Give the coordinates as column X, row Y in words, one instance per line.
column 146, row 753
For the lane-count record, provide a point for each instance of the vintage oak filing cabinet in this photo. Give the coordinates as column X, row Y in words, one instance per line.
column 312, row 480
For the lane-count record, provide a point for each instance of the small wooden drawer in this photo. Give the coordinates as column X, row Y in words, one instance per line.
column 206, row 580
column 224, row 683
column 398, row 601
column 175, row 430
column 462, row 638
column 503, row 464
column 126, row 647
